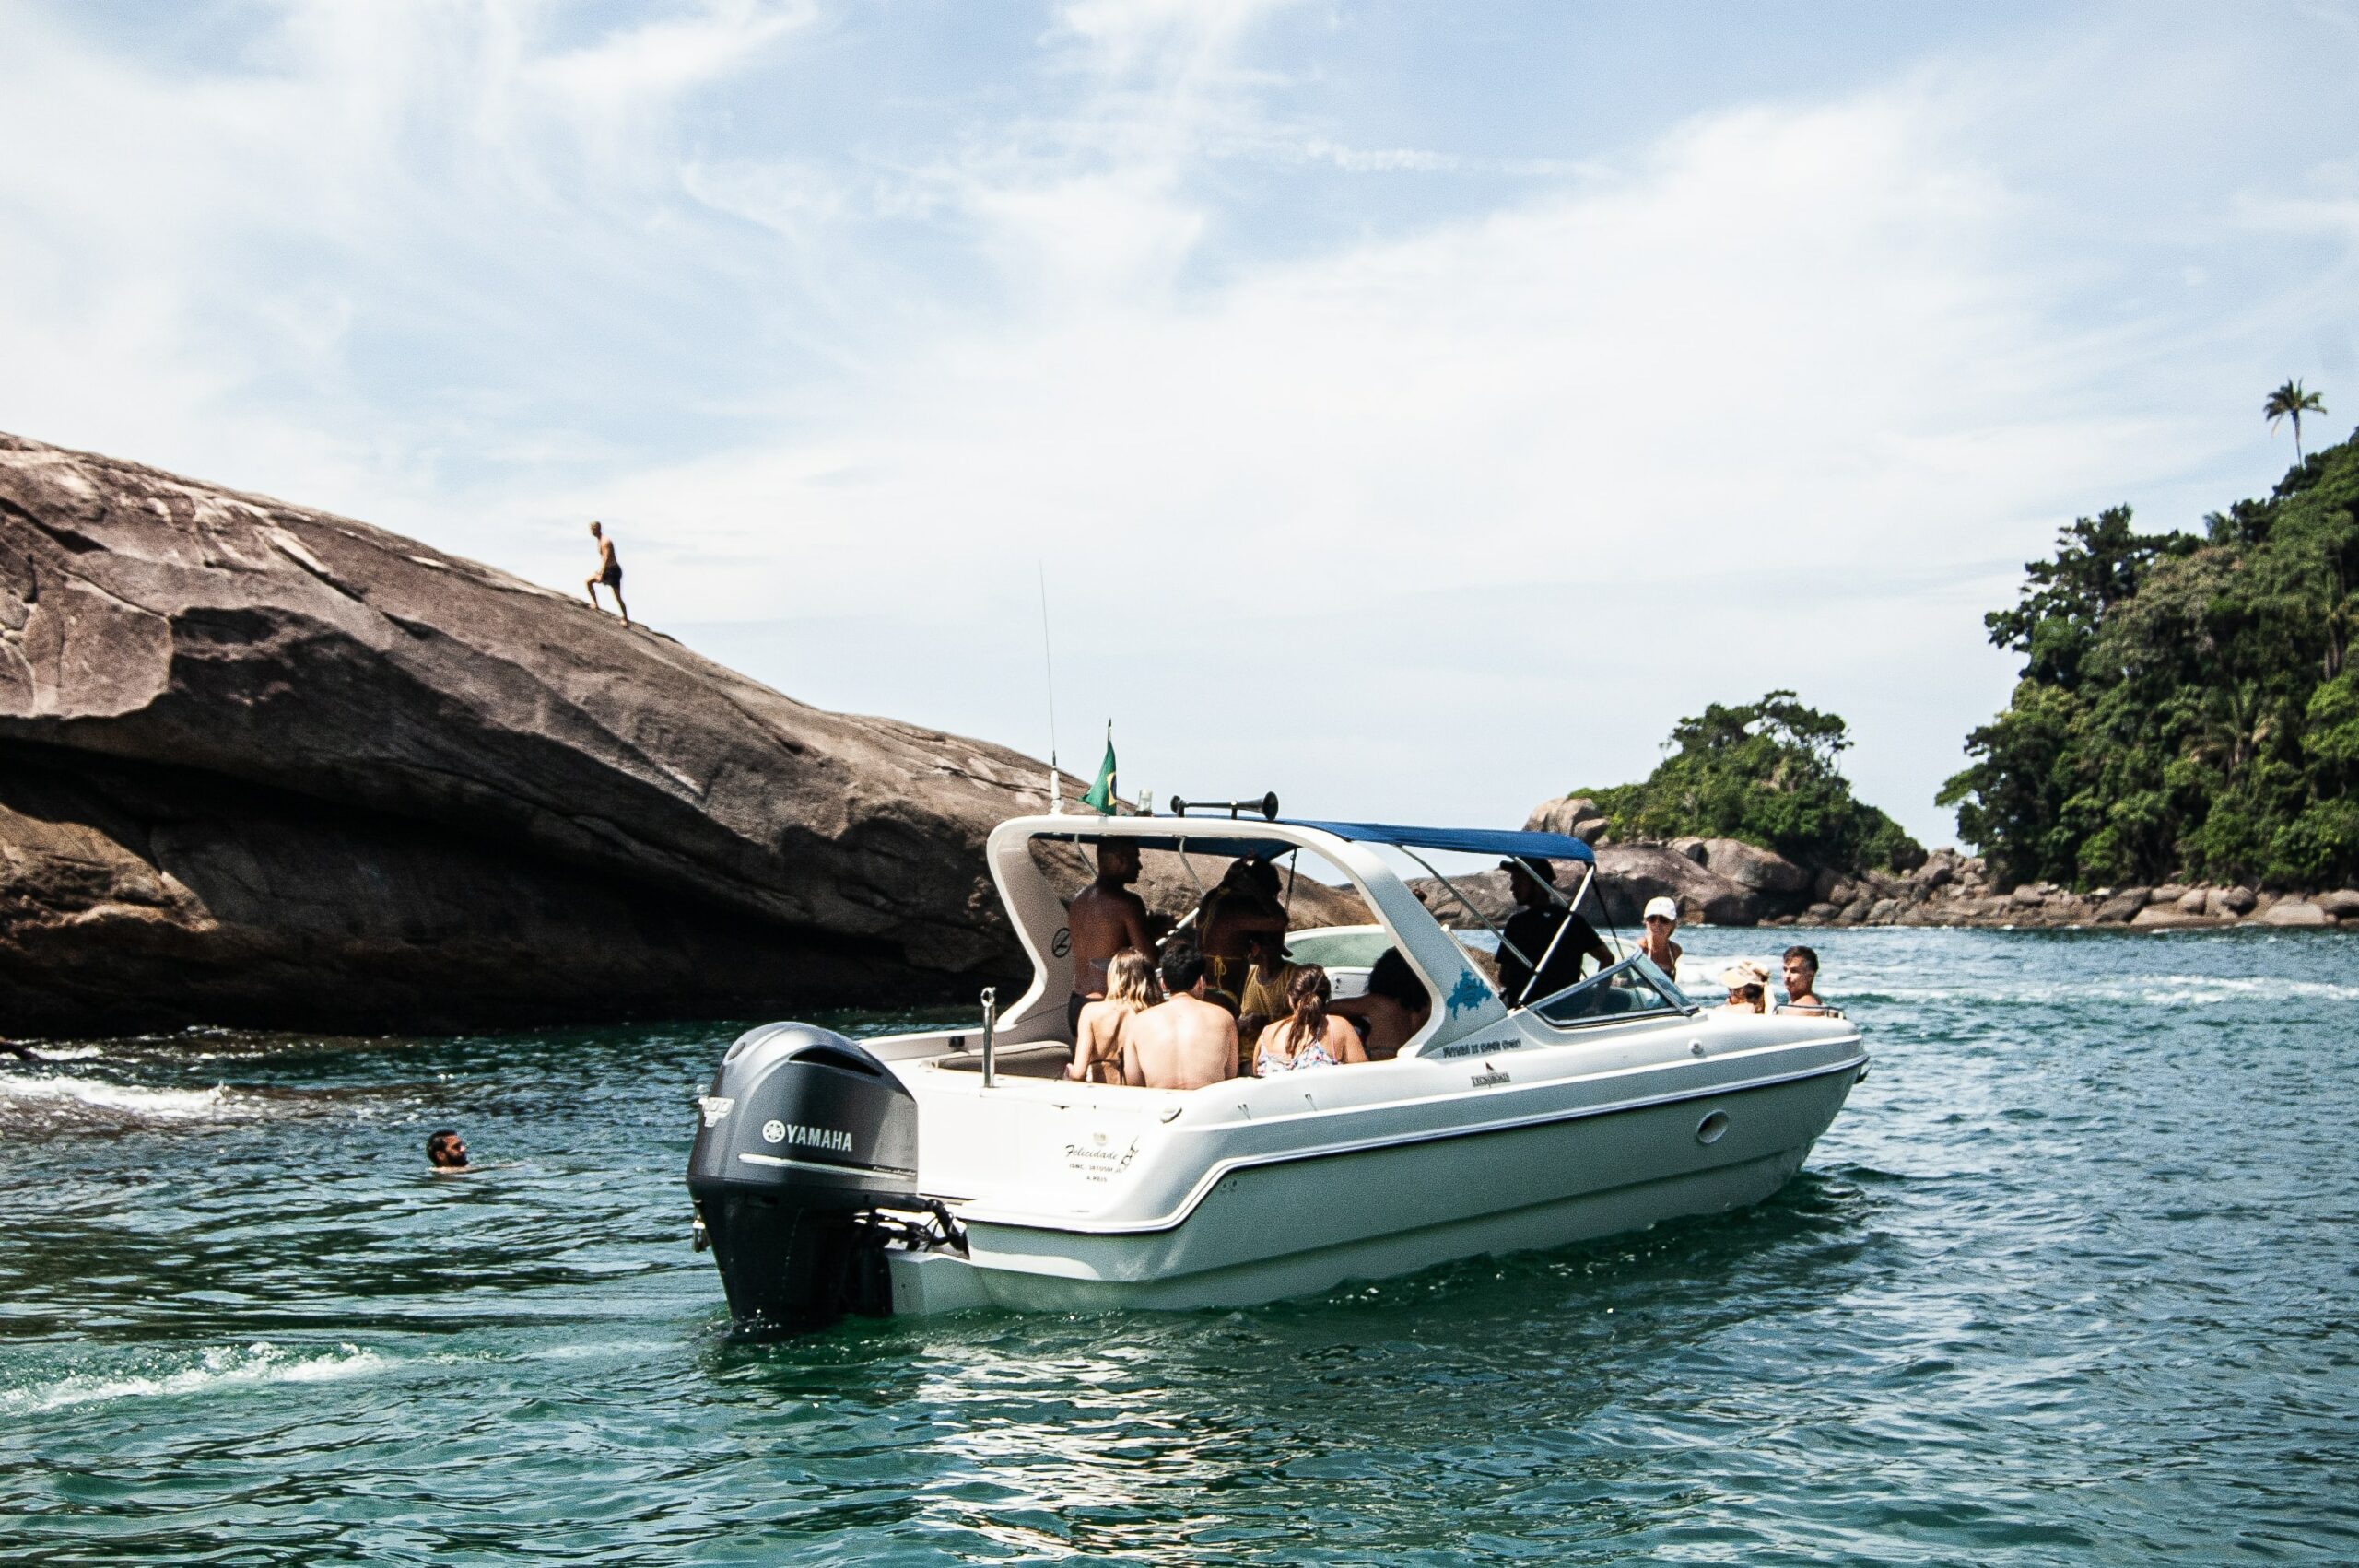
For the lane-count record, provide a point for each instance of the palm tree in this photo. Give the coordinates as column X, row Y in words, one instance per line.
column 2290, row 401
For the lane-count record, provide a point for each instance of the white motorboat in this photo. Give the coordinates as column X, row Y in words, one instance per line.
column 958, row 1168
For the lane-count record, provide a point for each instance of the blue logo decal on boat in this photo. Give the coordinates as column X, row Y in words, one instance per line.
column 1468, row 994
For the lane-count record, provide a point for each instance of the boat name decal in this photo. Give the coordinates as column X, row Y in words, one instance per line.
column 1480, row 1047
column 830, row 1138
column 1468, row 994
column 1098, row 1161
column 716, row 1107
column 1485, row 1080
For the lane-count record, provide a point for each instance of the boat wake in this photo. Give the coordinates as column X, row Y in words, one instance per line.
column 216, row 1370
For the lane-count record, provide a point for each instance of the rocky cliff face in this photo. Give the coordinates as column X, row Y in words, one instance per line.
column 264, row 765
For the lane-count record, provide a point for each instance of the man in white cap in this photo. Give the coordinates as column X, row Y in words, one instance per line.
column 1661, row 919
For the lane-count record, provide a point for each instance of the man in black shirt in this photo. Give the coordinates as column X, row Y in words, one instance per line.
column 1531, row 929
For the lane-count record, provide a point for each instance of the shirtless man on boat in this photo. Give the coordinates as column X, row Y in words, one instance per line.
column 1104, row 918
column 1184, row 1042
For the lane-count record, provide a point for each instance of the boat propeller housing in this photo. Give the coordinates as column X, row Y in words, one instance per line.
column 804, row 1134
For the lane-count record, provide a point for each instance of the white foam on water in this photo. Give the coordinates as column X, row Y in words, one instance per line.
column 218, row 1369
column 2144, row 990
column 127, row 1101
column 64, row 1053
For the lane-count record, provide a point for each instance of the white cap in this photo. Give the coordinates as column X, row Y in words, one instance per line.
column 1659, row 906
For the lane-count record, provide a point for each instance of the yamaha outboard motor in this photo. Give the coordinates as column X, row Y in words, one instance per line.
column 803, row 1135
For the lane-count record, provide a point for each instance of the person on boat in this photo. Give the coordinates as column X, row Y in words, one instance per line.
column 1531, row 930
column 446, row 1151
column 1660, row 919
column 1268, row 976
column 1801, row 980
column 609, row 573
column 1310, row 1035
column 1098, row 1037
column 1104, row 919
column 1183, row 1042
column 1394, row 1008
column 1748, row 984
column 1242, row 905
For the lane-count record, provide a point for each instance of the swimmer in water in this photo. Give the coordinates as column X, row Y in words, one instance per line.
column 446, row 1151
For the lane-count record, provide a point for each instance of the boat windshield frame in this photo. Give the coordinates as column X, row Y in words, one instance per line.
column 1465, row 1000
column 1635, row 963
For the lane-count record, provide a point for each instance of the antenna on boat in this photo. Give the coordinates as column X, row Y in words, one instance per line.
column 1049, row 669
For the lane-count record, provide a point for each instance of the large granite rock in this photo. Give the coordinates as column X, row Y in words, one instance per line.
column 1575, row 816
column 1629, row 874
column 260, row 765
column 1760, row 870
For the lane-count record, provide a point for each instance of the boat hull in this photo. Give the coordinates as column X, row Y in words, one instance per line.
column 1304, row 1225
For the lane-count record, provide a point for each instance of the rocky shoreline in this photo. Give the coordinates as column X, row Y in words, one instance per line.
column 1725, row 882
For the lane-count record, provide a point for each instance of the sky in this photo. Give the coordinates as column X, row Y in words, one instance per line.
column 1411, row 409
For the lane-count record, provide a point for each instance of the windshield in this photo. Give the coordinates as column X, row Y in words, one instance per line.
column 1629, row 989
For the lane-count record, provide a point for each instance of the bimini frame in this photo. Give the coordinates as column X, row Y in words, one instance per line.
column 1464, row 1003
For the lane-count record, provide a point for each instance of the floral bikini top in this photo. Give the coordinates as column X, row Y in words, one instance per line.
column 1266, row 1061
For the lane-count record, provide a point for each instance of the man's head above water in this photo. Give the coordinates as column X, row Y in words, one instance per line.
column 446, row 1151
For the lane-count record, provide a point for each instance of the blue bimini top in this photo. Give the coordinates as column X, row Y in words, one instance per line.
column 1469, row 840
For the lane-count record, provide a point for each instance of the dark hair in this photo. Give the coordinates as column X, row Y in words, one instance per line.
column 1308, row 994
column 1393, row 979
column 1807, row 956
column 435, row 1141
column 1264, row 874
column 1183, row 965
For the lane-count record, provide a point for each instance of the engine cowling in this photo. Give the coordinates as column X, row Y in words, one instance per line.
column 802, row 1133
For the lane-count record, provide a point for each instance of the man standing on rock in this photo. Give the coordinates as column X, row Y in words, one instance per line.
column 1530, row 933
column 610, row 572
column 1104, row 918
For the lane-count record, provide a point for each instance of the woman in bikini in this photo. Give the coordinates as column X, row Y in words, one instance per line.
column 1309, row 1036
column 1097, row 1034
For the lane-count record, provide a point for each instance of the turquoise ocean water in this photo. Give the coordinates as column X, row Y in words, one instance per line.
column 2074, row 1280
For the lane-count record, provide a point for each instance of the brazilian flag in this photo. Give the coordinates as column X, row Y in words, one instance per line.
column 1101, row 796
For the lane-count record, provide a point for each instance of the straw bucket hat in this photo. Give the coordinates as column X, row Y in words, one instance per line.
column 1744, row 972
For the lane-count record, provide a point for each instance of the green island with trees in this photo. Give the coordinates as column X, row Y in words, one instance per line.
column 2185, row 711
column 1764, row 772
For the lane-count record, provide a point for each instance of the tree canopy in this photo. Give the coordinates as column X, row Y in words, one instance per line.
column 1764, row 772
column 2185, row 711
